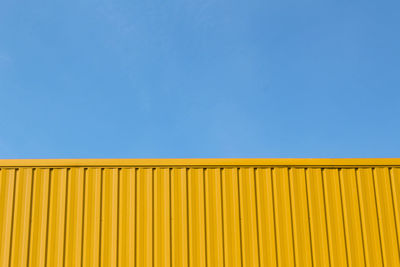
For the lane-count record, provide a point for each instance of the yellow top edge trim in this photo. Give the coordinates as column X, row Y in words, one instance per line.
column 197, row 162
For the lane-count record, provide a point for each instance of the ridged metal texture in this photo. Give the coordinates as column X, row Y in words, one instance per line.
column 194, row 215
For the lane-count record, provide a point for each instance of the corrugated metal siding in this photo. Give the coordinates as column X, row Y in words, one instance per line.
column 200, row 215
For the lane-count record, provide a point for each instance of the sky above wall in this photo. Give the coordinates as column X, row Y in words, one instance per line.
column 199, row 79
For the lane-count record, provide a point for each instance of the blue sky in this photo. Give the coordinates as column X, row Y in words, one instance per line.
column 199, row 79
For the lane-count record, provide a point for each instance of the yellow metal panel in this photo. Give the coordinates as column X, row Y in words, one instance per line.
column 283, row 217
column 351, row 216
column 231, row 213
column 386, row 217
column 40, row 218
column 395, row 183
column 266, row 223
column 7, row 182
column 162, row 220
column 369, row 220
column 300, row 217
column 144, row 227
column 248, row 220
column 74, row 222
column 334, row 214
column 197, row 243
column 214, row 225
column 127, row 214
column 179, row 219
column 200, row 212
column 55, row 242
column 316, row 202
column 92, row 210
column 22, row 217
column 109, row 217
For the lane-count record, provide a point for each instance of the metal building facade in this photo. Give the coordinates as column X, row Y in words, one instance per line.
column 200, row 212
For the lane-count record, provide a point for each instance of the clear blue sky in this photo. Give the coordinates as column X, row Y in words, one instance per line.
column 194, row 79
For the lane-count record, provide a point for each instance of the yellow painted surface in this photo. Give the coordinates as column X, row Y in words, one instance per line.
column 200, row 212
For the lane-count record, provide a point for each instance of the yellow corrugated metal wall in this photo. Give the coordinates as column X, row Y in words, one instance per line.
column 235, row 214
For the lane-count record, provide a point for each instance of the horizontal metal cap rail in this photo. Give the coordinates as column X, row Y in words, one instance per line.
column 356, row 162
